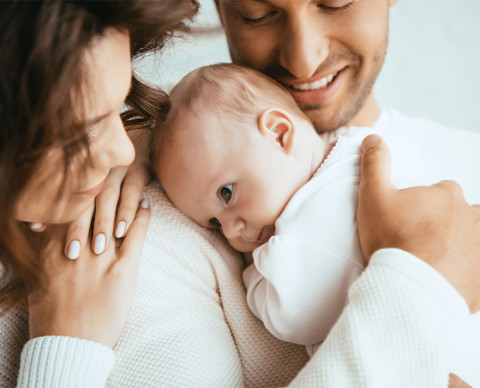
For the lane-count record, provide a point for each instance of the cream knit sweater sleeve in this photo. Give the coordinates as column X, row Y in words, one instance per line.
column 399, row 329
column 59, row 362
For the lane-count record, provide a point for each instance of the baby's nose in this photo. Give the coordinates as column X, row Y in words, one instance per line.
column 232, row 228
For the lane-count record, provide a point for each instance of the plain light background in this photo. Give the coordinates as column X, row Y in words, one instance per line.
column 432, row 68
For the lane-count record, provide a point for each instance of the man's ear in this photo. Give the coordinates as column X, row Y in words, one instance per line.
column 277, row 125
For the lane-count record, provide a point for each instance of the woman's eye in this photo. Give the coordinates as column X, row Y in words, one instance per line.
column 226, row 193
column 215, row 222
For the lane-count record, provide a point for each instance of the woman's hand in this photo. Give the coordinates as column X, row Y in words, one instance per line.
column 434, row 223
column 116, row 205
column 87, row 298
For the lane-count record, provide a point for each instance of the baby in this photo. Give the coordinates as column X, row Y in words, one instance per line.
column 237, row 154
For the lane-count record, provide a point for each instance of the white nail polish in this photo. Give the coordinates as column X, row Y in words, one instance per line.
column 73, row 250
column 99, row 245
column 36, row 225
column 120, row 229
column 145, row 204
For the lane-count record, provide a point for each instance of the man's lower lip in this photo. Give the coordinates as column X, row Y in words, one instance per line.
column 319, row 96
column 94, row 191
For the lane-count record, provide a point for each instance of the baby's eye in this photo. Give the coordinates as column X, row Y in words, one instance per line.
column 215, row 222
column 226, row 193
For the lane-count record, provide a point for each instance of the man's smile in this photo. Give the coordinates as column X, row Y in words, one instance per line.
column 317, row 90
column 314, row 85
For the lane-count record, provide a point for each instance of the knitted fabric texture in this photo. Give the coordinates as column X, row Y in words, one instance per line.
column 189, row 325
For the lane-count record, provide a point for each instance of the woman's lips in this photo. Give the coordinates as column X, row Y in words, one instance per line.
column 318, row 91
column 94, row 191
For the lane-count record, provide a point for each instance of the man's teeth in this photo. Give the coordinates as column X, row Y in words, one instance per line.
column 320, row 84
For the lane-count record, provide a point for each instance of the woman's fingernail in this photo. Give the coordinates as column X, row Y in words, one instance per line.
column 73, row 250
column 99, row 245
column 120, row 231
column 144, row 204
column 36, row 225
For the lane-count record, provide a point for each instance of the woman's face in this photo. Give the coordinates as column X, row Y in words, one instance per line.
column 108, row 76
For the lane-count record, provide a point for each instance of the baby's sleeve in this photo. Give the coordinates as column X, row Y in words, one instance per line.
column 298, row 289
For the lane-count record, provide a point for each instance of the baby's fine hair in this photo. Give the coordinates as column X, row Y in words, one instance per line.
column 237, row 92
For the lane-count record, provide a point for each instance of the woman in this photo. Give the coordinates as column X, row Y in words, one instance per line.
column 62, row 88
column 72, row 72
column 65, row 72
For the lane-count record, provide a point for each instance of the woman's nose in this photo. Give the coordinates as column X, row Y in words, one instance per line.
column 113, row 148
column 304, row 47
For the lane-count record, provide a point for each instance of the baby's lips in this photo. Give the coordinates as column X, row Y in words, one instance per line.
column 267, row 232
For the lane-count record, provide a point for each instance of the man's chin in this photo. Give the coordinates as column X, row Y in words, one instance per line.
column 328, row 118
column 324, row 122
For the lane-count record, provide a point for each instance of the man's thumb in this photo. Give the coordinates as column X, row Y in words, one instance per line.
column 375, row 165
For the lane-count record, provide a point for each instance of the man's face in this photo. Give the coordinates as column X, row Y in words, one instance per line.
column 327, row 53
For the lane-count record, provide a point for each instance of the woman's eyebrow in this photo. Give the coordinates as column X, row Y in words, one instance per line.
column 96, row 120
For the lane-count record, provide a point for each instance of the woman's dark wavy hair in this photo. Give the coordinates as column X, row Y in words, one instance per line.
column 42, row 46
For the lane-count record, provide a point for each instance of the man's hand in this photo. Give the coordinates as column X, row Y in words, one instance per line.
column 434, row 223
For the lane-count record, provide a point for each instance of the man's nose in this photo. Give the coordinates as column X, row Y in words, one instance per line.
column 304, row 47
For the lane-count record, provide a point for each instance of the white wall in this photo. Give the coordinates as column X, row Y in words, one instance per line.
column 432, row 67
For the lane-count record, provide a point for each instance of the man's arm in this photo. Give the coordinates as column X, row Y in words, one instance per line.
column 433, row 223
column 405, row 313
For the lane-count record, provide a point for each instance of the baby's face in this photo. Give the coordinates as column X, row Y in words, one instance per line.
column 239, row 184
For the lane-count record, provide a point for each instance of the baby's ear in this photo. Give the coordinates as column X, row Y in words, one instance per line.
column 277, row 124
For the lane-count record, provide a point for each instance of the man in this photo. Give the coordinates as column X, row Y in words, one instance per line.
column 329, row 69
column 328, row 53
